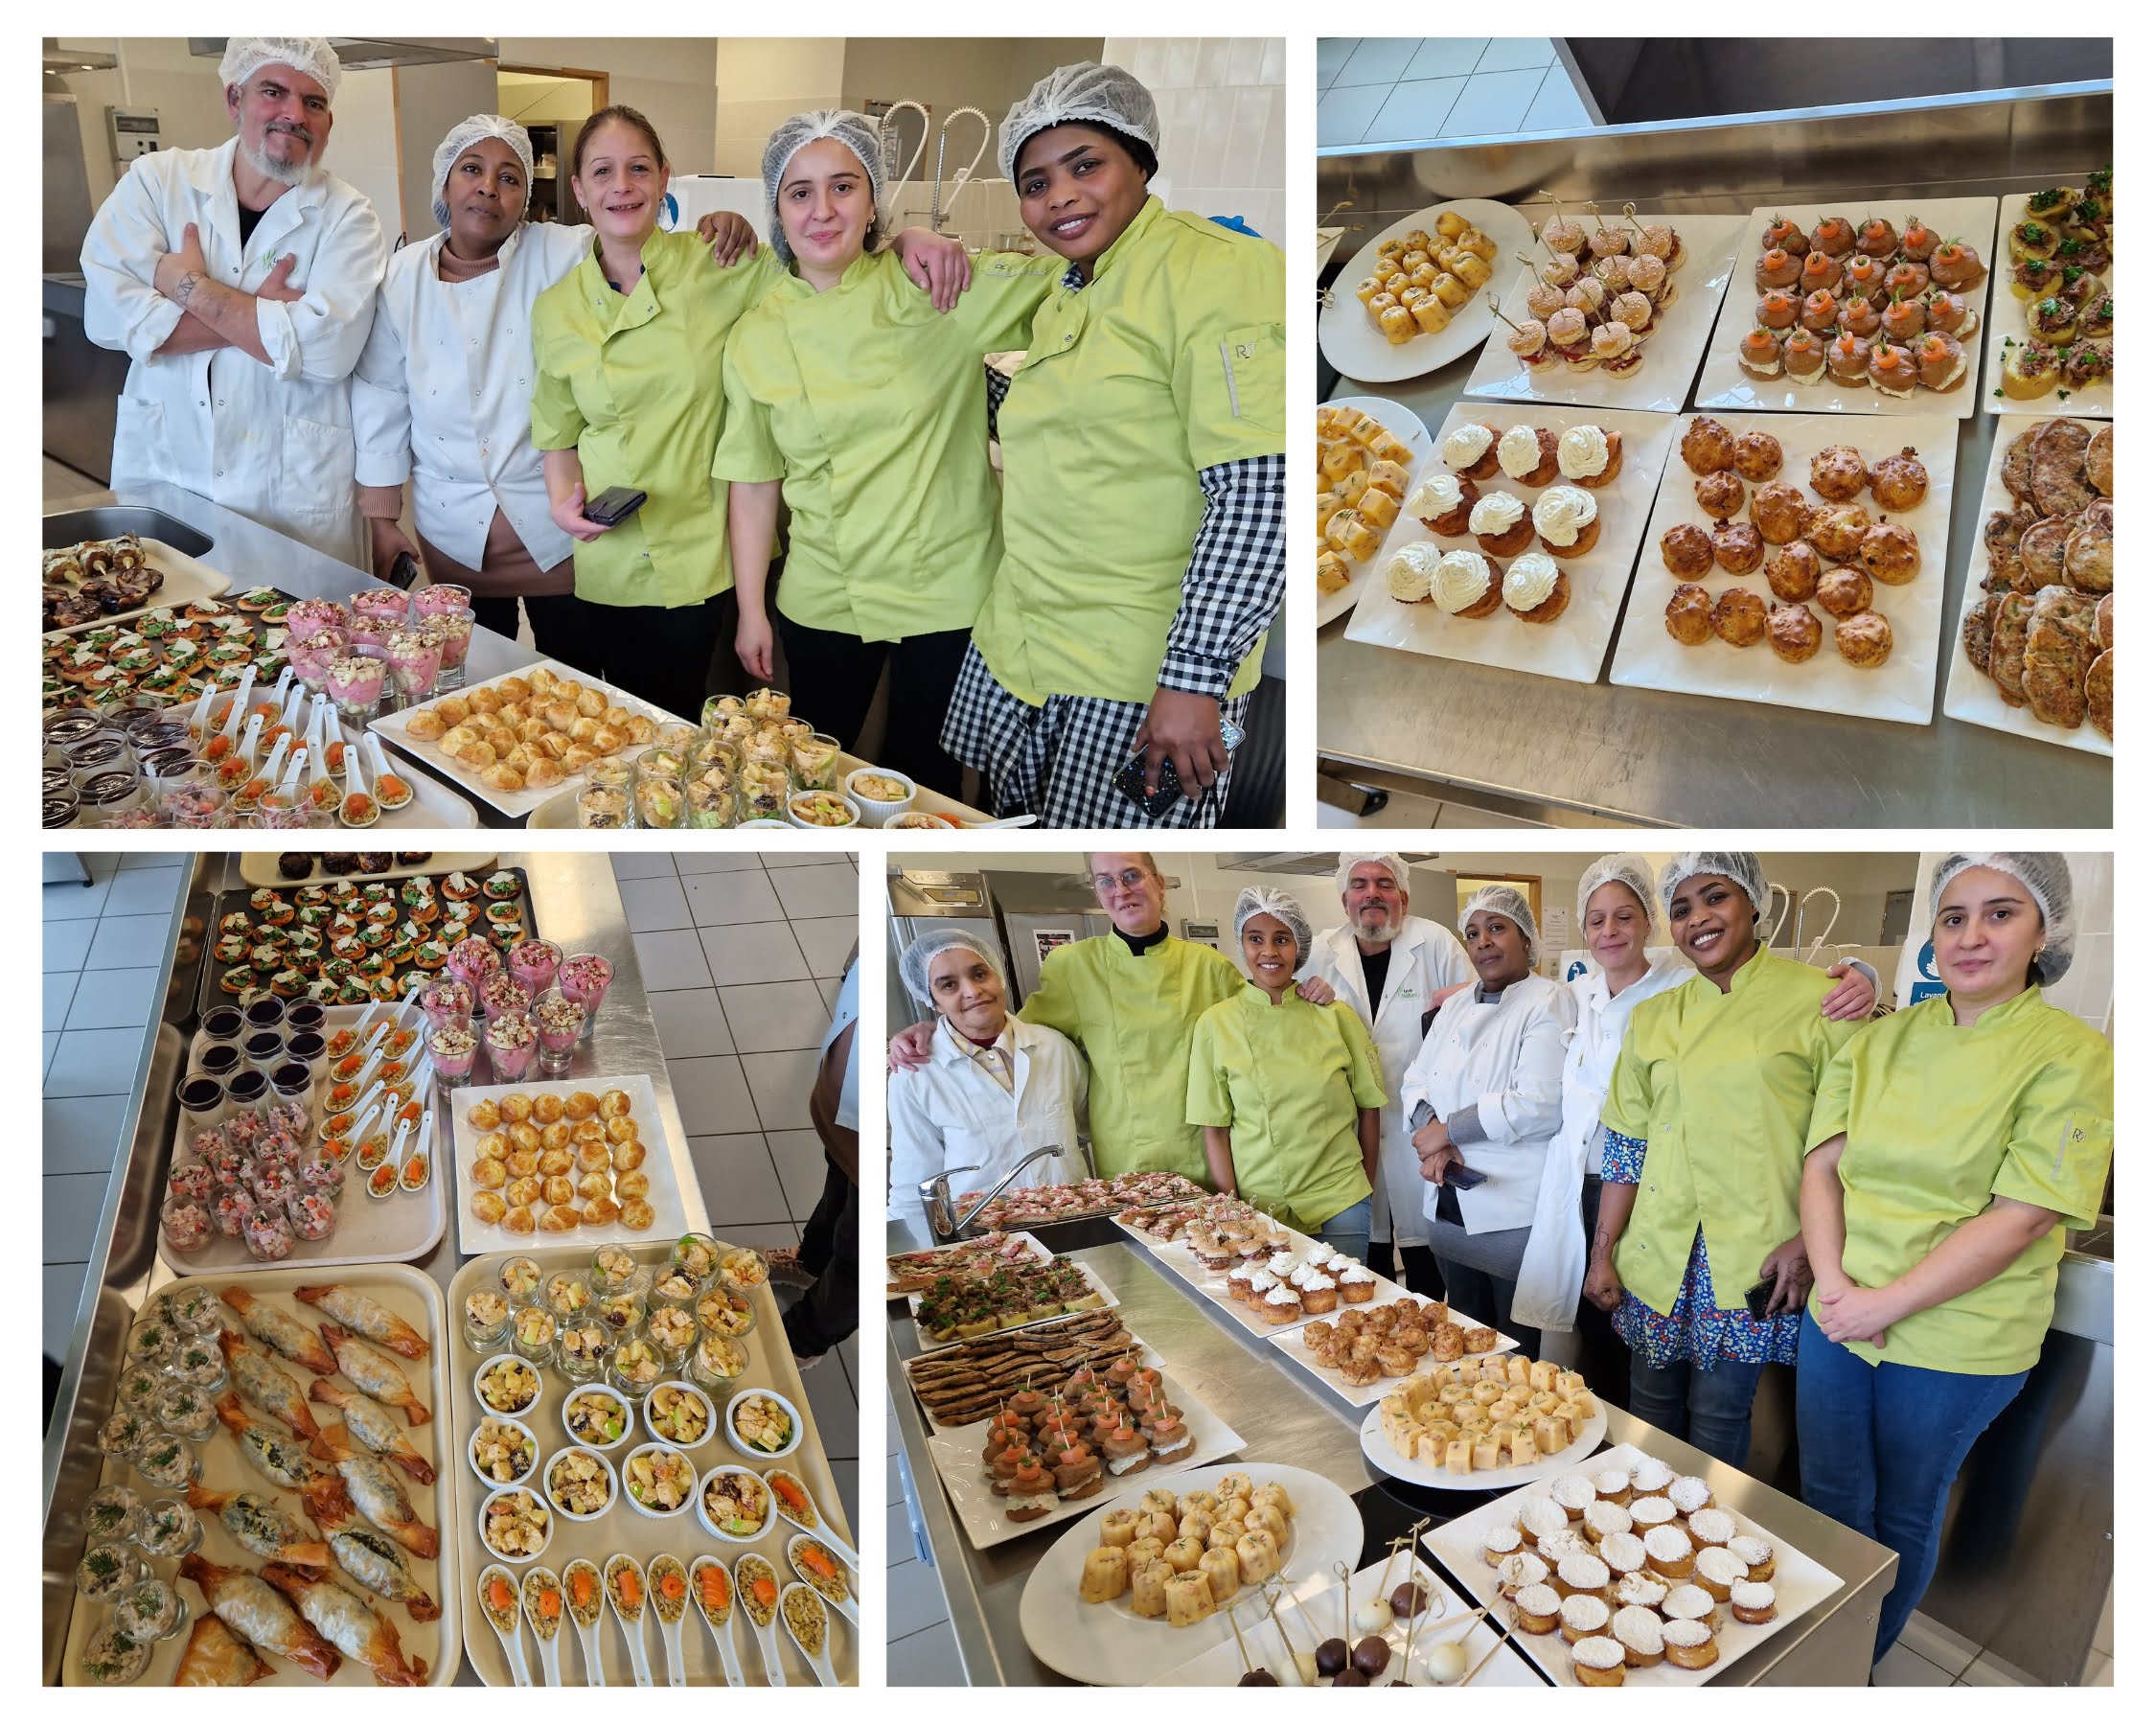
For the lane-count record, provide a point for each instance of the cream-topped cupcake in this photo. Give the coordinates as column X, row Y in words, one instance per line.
column 1465, row 445
column 1495, row 514
column 1563, row 513
column 1462, row 580
column 1530, row 581
column 1438, row 495
column 1582, row 452
column 1519, row 451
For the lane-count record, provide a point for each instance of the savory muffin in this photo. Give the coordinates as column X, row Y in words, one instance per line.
column 1687, row 550
column 1741, row 617
column 1865, row 640
column 1758, row 456
column 1839, row 472
column 1737, row 546
column 1708, row 446
column 1793, row 632
column 1793, row 571
column 1845, row 592
column 1779, row 512
column 1689, row 617
column 1888, row 554
column 1720, row 494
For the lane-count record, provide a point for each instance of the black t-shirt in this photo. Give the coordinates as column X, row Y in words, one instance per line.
column 249, row 220
column 1376, row 966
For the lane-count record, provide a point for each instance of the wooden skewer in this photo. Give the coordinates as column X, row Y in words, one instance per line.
column 1242, row 1652
column 1478, row 1666
column 1510, row 325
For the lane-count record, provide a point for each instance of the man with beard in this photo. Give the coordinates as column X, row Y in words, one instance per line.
column 241, row 281
column 1393, row 968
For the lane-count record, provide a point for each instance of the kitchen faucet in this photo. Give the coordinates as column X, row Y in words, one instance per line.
column 936, row 1192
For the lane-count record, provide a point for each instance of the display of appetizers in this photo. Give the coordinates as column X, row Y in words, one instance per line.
column 2052, row 301
column 1463, row 1415
column 1185, row 1577
column 984, row 1254
column 353, row 1582
column 1363, row 481
column 960, row 1308
column 1420, row 278
column 2036, row 625
column 1025, row 1207
column 559, row 1159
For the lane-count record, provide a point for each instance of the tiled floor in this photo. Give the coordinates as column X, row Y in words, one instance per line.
column 1406, row 89
column 741, row 958
column 99, row 1003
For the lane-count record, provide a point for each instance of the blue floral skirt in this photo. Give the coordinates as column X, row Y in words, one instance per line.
column 1697, row 1330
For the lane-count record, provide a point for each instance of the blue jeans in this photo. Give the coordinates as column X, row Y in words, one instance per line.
column 1880, row 1446
column 1708, row 1410
column 1349, row 1231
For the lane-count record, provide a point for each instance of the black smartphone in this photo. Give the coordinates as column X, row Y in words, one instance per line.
column 613, row 505
column 404, row 571
column 1464, row 1178
column 1756, row 1297
column 1130, row 779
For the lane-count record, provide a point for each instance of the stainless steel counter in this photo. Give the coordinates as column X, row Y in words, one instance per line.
column 575, row 903
column 1575, row 753
column 1287, row 1418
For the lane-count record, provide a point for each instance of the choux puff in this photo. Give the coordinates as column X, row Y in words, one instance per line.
column 1106, row 1575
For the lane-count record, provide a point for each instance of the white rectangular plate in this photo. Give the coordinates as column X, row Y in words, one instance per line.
column 413, row 1297
column 625, row 1529
column 369, row 1231
column 1648, row 656
column 1725, row 383
column 1574, row 645
column 1036, row 1254
column 1970, row 694
column 1799, row 1583
column 1379, row 1452
column 1290, row 1342
column 395, row 729
column 1668, row 361
column 956, row 1451
column 668, row 1218
column 1404, row 425
column 1220, row 1666
column 2009, row 316
column 1213, row 1285
column 928, row 1344
column 186, row 579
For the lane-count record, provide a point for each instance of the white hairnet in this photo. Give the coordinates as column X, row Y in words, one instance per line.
column 855, row 131
column 245, row 55
column 1087, row 92
column 2050, row 884
column 1270, row 901
column 463, row 135
column 1392, row 862
column 1511, row 904
column 1622, row 869
column 1744, row 867
column 914, row 962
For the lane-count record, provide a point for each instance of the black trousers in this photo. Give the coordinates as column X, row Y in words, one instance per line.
column 1604, row 1360
column 659, row 654
column 839, row 674
column 830, row 1311
column 559, row 627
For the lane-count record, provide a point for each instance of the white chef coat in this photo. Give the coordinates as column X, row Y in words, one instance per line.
column 1507, row 1059
column 846, row 1111
column 1426, row 958
column 442, row 392
column 272, row 441
column 1555, row 1263
column 948, row 1112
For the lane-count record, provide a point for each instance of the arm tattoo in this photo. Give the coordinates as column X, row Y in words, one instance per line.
column 187, row 283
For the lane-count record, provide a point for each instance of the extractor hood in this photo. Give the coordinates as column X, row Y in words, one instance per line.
column 367, row 53
column 63, row 61
column 1301, row 863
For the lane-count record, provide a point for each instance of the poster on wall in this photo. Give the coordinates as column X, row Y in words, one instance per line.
column 1047, row 940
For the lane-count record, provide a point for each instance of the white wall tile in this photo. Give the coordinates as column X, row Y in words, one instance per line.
column 1246, row 61
column 1212, row 61
column 1182, row 62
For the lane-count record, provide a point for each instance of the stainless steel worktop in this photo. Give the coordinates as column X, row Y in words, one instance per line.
column 575, row 903
column 1286, row 1417
column 1587, row 753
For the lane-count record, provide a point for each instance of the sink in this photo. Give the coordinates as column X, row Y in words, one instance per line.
column 71, row 526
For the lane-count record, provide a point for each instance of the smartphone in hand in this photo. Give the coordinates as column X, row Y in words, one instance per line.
column 1130, row 779
column 614, row 506
column 1758, row 1297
